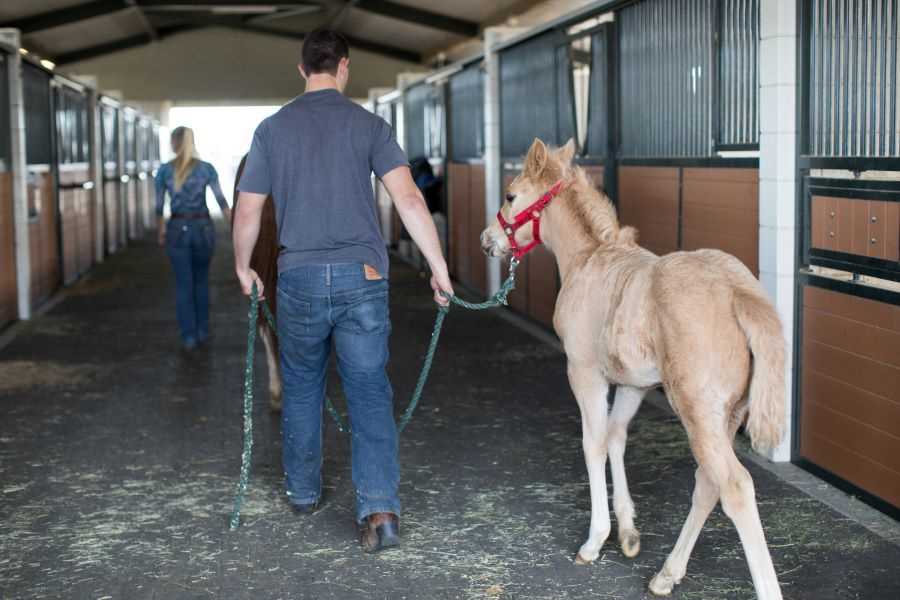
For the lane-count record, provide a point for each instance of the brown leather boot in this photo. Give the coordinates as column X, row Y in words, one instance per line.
column 380, row 531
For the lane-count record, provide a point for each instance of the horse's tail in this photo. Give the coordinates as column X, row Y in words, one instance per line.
column 759, row 322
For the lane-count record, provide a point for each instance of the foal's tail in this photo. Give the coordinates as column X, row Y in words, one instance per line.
column 759, row 322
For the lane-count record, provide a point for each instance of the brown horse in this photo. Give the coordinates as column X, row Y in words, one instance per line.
column 265, row 262
column 696, row 323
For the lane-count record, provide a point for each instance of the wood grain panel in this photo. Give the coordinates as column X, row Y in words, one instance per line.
column 648, row 200
column 459, row 221
column 720, row 209
column 863, row 310
column 869, row 475
column 477, row 223
column 68, row 208
column 874, row 343
column 44, row 239
column 855, row 226
column 111, row 222
column 850, row 389
column 8, row 291
column 131, row 204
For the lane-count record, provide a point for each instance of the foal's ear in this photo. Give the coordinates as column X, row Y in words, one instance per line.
column 567, row 153
column 536, row 159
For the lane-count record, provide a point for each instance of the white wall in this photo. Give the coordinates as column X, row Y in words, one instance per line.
column 778, row 174
column 223, row 66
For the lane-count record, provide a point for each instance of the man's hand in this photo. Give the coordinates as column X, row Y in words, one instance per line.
column 440, row 282
column 247, row 278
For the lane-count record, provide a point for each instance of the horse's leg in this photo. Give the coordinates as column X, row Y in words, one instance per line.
column 721, row 476
column 739, row 502
column 628, row 400
column 704, row 500
column 590, row 390
column 271, row 344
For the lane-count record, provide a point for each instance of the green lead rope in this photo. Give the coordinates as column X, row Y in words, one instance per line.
column 498, row 299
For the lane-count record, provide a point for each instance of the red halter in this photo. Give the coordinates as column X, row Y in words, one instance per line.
column 532, row 215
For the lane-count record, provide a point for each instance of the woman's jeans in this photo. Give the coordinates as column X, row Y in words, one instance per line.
column 319, row 305
column 190, row 244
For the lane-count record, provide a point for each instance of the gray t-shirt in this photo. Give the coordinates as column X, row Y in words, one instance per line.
column 315, row 157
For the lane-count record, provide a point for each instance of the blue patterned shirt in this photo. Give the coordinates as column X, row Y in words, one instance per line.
column 191, row 197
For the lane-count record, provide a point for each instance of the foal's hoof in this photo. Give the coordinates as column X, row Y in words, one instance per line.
column 630, row 541
column 662, row 584
column 587, row 555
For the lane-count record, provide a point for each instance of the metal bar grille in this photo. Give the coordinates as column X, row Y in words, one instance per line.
column 109, row 125
column 598, row 97
column 467, row 114
column 665, row 56
column 423, row 121
column 738, row 73
column 38, row 116
column 72, row 133
column 536, row 97
column 853, row 78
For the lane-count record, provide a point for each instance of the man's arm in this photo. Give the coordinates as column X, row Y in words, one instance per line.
column 415, row 216
column 247, row 218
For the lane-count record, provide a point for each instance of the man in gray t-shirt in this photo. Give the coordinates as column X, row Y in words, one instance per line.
column 315, row 157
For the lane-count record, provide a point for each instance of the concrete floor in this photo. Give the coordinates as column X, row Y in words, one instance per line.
column 119, row 456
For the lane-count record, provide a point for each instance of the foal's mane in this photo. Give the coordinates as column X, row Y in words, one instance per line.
column 593, row 211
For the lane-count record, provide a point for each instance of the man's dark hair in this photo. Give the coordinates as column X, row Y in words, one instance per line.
column 323, row 49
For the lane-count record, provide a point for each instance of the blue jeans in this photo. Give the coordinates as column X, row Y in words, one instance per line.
column 318, row 305
column 190, row 244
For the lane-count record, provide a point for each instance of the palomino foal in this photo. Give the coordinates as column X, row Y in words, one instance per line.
column 696, row 323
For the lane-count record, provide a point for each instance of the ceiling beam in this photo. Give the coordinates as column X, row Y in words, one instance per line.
column 65, row 16
column 418, row 16
column 367, row 45
column 118, row 45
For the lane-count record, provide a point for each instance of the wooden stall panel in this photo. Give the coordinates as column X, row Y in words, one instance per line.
column 648, row 200
column 111, row 222
column 477, row 223
column 458, row 181
column 8, row 292
column 44, row 240
column 861, row 227
column 68, row 209
column 148, row 202
column 850, row 389
column 883, row 230
column 86, row 238
column 720, row 209
column 132, row 208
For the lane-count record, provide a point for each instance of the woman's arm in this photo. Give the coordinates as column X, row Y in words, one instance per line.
column 160, row 183
column 217, row 192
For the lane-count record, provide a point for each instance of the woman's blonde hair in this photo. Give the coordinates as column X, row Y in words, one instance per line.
column 185, row 154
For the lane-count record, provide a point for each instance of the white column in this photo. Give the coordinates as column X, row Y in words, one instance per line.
column 493, row 166
column 778, row 141
column 19, row 171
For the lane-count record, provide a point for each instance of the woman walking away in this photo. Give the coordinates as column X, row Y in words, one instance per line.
column 189, row 236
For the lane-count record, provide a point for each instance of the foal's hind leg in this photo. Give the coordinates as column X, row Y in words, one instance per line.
column 271, row 345
column 628, row 400
column 704, row 500
column 590, row 390
column 721, row 476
